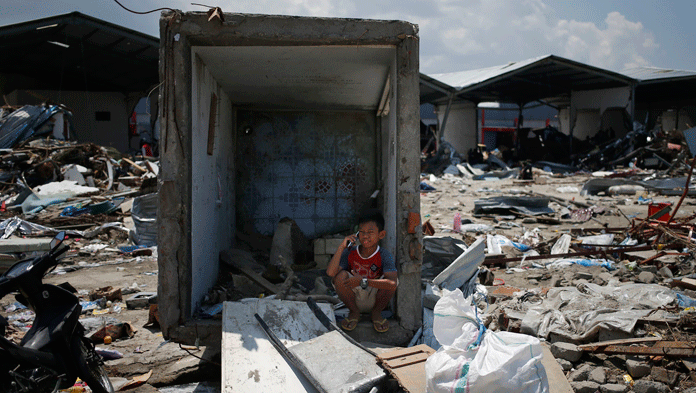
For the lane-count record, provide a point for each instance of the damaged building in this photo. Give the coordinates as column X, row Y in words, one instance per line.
column 266, row 117
column 96, row 71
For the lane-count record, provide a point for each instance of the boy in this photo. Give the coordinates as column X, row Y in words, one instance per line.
column 364, row 276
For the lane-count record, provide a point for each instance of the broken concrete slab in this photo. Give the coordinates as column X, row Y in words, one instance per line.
column 585, row 386
column 358, row 370
column 17, row 245
column 567, row 351
column 637, row 368
column 249, row 360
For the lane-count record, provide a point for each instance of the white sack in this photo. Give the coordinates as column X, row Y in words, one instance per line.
column 473, row 359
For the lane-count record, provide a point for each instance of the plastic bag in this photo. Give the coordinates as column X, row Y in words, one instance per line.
column 473, row 359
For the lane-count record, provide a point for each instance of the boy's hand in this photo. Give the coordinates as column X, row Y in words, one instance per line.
column 349, row 240
column 352, row 282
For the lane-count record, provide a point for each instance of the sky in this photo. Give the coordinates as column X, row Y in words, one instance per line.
column 458, row 35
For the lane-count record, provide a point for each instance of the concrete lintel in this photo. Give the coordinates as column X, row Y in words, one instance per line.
column 287, row 30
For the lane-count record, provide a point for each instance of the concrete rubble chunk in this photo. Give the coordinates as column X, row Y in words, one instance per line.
column 637, row 368
column 665, row 272
column 613, row 388
column 567, row 351
column 581, row 373
column 598, row 375
column 585, row 386
column 583, row 276
column 643, row 386
column 661, row 374
column 646, row 277
column 565, row 365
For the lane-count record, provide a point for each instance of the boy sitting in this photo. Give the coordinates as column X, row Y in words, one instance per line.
column 364, row 276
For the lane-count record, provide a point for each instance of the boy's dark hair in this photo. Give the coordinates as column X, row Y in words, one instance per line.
column 372, row 215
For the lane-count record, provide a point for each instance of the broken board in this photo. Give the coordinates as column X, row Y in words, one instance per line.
column 337, row 364
column 250, row 362
column 558, row 383
column 407, row 366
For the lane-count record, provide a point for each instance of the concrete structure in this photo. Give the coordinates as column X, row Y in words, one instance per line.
column 265, row 117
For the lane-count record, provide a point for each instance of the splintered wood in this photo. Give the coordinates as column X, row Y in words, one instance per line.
column 407, row 365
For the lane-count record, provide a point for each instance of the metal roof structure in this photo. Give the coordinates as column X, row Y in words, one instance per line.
column 77, row 52
column 647, row 75
column 520, row 82
column 661, row 88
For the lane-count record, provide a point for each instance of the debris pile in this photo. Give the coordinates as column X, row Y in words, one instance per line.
column 600, row 265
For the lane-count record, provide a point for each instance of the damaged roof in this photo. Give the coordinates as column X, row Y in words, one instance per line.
column 660, row 88
column 77, row 52
column 655, row 75
column 522, row 81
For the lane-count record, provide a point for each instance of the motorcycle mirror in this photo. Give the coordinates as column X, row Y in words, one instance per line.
column 58, row 239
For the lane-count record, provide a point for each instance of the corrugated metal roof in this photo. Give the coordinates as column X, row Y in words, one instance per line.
column 654, row 73
column 462, row 79
column 78, row 52
column 523, row 81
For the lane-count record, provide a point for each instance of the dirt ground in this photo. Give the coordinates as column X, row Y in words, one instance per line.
column 147, row 350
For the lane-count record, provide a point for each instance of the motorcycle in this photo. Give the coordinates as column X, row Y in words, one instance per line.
column 54, row 352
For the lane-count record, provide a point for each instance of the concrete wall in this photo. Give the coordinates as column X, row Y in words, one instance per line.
column 599, row 100
column 587, row 123
column 213, row 195
column 564, row 120
column 461, row 126
column 672, row 117
column 84, row 105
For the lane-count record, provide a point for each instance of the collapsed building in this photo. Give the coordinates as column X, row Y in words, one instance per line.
column 593, row 106
column 96, row 70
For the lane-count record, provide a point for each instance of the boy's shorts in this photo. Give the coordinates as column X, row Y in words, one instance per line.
column 365, row 298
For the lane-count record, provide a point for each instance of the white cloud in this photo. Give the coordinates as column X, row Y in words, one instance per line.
column 465, row 34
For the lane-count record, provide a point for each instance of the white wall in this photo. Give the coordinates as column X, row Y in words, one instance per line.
column 213, row 194
column 460, row 129
column 564, row 120
column 600, row 100
column 83, row 104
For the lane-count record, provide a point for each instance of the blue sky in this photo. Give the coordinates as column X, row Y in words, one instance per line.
column 459, row 35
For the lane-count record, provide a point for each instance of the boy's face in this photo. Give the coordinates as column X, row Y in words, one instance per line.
column 369, row 234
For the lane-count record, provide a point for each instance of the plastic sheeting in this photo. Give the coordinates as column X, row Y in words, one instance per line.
column 463, row 272
column 26, row 123
column 26, row 228
column 579, row 315
column 532, row 206
column 144, row 214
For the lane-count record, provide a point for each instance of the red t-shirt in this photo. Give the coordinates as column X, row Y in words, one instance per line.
column 371, row 267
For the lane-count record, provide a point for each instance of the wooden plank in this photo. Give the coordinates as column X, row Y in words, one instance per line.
column 664, row 350
column 134, row 165
column 211, row 123
column 408, row 360
column 674, row 344
column 558, row 383
column 592, row 346
column 255, row 277
column 407, row 366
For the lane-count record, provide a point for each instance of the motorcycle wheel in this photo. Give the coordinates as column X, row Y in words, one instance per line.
column 90, row 367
